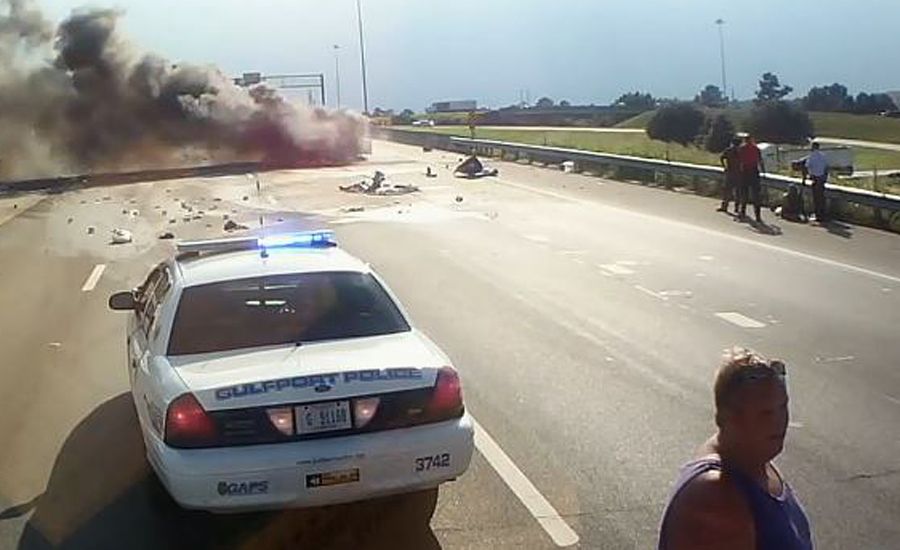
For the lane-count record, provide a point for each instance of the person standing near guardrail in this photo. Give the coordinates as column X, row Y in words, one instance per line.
column 817, row 168
column 731, row 162
column 751, row 168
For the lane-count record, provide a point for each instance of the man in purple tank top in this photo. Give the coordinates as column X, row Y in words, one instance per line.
column 731, row 496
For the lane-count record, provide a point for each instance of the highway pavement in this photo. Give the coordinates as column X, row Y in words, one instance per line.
column 586, row 318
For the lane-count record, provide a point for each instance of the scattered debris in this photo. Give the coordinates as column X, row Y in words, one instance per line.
column 224, row 216
column 429, row 173
column 426, row 149
column 15, row 206
column 91, row 229
column 231, row 225
column 121, row 236
column 107, row 198
column 83, row 201
column 459, row 198
column 355, row 209
column 213, row 207
column 568, row 166
column 164, row 213
column 217, row 199
column 70, row 220
column 124, row 211
column 245, row 198
column 135, row 213
column 198, row 217
column 172, row 220
column 167, row 235
column 55, row 344
column 379, row 185
column 186, row 218
column 473, row 168
column 209, row 225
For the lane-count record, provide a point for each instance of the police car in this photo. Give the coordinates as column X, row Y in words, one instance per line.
column 281, row 372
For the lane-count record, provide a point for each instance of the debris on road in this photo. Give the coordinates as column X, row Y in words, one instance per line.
column 429, row 173
column 245, row 198
column 172, row 220
column 459, row 198
column 121, row 236
column 474, row 168
column 91, row 229
column 166, row 235
column 355, row 209
column 379, row 185
column 217, row 199
column 70, row 220
column 231, row 225
column 135, row 213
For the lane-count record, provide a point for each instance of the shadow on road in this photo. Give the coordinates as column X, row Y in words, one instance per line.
column 838, row 228
column 101, row 494
column 765, row 228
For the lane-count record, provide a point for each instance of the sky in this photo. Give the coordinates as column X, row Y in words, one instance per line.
column 493, row 51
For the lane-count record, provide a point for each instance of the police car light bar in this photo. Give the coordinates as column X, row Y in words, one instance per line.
column 302, row 239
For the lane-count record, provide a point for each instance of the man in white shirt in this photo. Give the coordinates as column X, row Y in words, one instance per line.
column 817, row 168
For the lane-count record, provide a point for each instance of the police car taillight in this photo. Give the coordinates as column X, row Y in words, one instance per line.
column 188, row 425
column 446, row 398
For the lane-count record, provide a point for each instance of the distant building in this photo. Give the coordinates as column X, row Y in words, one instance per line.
column 453, row 106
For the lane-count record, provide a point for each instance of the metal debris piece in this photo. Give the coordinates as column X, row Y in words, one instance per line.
column 245, row 198
column 355, row 209
column 459, row 198
column 91, row 229
column 167, row 235
column 69, row 220
column 121, row 236
column 231, row 225
column 172, row 220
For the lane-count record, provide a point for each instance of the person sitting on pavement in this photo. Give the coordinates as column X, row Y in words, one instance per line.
column 731, row 496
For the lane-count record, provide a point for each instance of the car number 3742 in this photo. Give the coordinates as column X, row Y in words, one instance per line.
column 426, row 463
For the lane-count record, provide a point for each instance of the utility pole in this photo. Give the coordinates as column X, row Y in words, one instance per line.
column 337, row 74
column 362, row 58
column 721, row 23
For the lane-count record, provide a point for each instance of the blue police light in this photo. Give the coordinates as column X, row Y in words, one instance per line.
column 301, row 239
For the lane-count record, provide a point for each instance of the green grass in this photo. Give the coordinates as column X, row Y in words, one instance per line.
column 838, row 125
column 639, row 145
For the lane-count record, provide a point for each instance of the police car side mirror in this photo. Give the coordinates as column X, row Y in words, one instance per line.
column 122, row 300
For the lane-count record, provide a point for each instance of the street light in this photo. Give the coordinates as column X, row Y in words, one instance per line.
column 720, row 23
column 337, row 74
column 362, row 58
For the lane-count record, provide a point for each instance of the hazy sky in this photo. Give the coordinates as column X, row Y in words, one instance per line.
column 586, row 51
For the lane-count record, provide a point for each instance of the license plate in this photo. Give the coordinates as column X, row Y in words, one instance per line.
column 323, row 417
column 327, row 479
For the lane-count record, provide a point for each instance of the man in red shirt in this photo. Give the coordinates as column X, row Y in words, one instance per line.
column 751, row 167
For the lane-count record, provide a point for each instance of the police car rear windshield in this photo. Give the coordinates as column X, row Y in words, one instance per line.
column 282, row 309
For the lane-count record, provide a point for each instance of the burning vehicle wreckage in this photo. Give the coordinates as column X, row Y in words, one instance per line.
column 379, row 185
column 79, row 98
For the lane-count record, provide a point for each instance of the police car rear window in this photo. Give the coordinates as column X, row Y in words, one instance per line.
column 282, row 309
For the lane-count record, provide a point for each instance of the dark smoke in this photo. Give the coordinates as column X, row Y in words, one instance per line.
column 80, row 99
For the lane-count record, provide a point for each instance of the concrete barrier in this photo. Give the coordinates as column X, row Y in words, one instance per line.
column 858, row 205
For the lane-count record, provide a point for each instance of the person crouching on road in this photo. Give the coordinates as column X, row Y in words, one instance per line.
column 751, row 167
column 731, row 496
column 731, row 162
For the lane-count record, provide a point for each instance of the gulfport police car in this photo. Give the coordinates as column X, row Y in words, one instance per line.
column 281, row 371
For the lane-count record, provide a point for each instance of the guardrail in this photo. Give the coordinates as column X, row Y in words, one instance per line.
column 878, row 209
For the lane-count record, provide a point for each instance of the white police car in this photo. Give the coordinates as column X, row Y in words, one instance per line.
column 281, row 372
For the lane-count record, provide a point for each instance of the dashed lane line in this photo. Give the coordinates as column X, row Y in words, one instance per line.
column 93, row 278
column 707, row 231
column 542, row 511
column 742, row 321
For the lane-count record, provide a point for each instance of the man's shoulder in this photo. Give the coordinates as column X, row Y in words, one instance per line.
column 709, row 512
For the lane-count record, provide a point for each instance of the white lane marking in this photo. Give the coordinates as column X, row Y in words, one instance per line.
column 893, row 399
column 271, row 200
column 744, row 240
column 705, row 258
column 572, row 252
column 542, row 511
column 616, row 269
column 627, row 262
column 841, row 359
column 651, row 293
column 537, row 238
column 794, row 424
column 740, row 320
column 677, row 293
column 92, row 279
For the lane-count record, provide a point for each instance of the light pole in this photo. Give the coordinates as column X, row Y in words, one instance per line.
column 337, row 74
column 362, row 58
column 720, row 23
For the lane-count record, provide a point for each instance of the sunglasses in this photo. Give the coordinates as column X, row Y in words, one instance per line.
column 762, row 371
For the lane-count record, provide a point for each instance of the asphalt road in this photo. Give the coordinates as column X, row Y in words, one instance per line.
column 585, row 316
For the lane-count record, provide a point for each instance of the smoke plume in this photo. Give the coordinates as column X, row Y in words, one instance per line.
column 80, row 98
